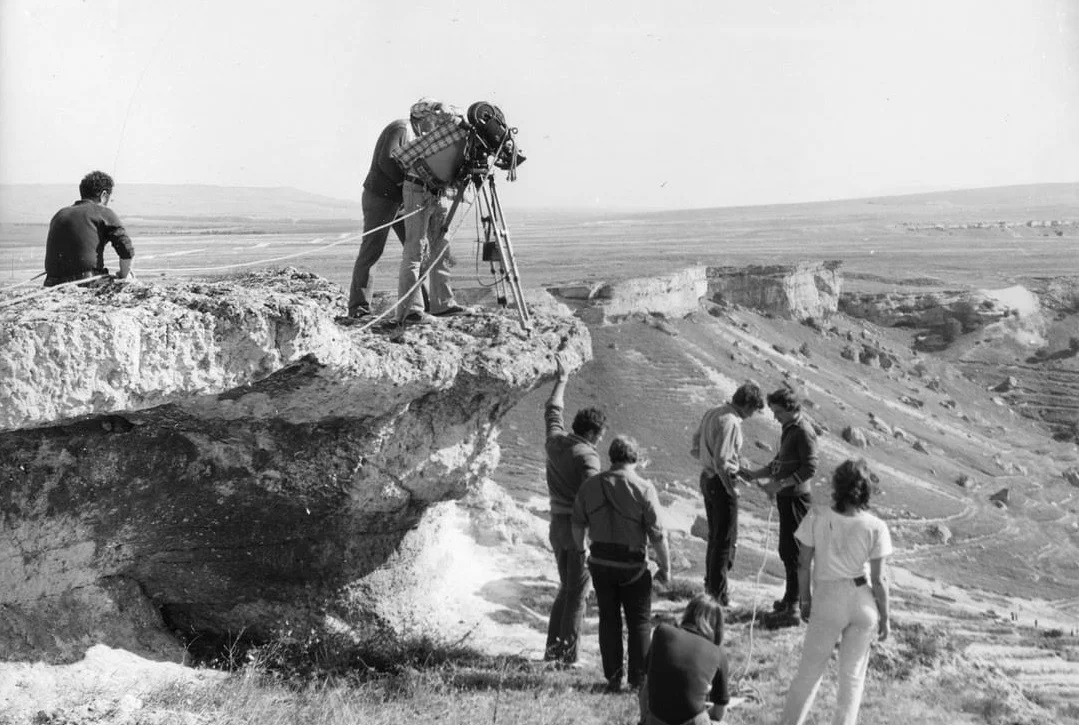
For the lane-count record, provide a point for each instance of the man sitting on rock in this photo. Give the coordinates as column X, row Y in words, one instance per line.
column 78, row 234
column 571, row 459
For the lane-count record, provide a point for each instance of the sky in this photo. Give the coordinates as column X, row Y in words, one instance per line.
column 626, row 104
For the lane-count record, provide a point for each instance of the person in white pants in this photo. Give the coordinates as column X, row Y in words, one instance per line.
column 837, row 543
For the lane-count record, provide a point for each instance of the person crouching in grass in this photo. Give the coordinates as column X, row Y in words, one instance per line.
column 686, row 681
column 837, row 544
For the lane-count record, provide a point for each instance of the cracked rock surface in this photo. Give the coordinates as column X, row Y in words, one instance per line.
column 217, row 458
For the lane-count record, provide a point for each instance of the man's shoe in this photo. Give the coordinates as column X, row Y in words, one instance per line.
column 450, row 311
column 785, row 606
column 614, row 686
column 359, row 313
column 417, row 318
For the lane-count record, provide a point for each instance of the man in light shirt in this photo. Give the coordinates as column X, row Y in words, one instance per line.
column 717, row 444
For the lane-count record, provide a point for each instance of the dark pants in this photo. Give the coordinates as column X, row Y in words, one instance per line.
column 377, row 211
column 621, row 590
column 567, row 612
column 792, row 509
column 721, row 509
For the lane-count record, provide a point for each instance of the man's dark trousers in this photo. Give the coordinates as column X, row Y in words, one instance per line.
column 621, row 590
column 567, row 612
column 792, row 509
column 721, row 509
column 377, row 210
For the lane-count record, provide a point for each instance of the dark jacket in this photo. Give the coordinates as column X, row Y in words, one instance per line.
column 797, row 456
column 386, row 175
column 685, row 672
column 77, row 238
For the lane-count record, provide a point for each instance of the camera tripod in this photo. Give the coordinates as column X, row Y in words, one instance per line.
column 496, row 238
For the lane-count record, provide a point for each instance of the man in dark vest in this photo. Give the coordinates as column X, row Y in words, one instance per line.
column 78, row 234
column 789, row 476
column 382, row 199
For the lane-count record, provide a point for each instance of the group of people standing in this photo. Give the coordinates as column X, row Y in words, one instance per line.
column 833, row 557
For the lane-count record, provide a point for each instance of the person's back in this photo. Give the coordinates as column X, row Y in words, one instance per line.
column 620, row 509
column 620, row 513
column 78, row 234
column 844, row 543
column 685, row 673
column 570, row 461
column 385, row 176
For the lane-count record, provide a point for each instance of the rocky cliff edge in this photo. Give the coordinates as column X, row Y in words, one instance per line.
column 206, row 461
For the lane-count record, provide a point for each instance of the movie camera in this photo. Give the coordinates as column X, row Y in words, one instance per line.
column 490, row 141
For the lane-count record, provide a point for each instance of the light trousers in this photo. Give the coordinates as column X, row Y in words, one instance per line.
column 427, row 224
column 840, row 612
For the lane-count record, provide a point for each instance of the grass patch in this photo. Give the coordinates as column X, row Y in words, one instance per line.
column 917, row 676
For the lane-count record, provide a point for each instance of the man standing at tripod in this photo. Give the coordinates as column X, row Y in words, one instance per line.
column 382, row 199
column 424, row 191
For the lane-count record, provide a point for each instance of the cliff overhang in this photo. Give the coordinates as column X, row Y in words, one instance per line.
column 206, row 459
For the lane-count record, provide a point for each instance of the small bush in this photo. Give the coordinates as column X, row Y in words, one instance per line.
column 681, row 589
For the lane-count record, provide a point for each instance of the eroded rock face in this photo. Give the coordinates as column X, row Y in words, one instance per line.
column 793, row 291
column 669, row 295
column 931, row 311
column 282, row 478
column 808, row 290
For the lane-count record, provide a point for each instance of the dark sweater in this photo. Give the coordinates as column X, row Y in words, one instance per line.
column 77, row 238
column 685, row 671
column 570, row 461
column 797, row 456
column 386, row 175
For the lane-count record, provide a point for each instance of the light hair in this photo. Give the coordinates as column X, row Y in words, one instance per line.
column 704, row 614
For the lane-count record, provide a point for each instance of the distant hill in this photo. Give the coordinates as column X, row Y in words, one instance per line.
column 36, row 203
column 1043, row 201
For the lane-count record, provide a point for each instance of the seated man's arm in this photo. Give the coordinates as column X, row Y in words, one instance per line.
column 113, row 231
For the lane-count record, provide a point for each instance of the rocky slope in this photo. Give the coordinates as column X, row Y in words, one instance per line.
column 230, row 463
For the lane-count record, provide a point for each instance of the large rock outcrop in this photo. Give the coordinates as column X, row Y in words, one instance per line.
column 931, row 310
column 241, row 465
column 797, row 292
column 670, row 295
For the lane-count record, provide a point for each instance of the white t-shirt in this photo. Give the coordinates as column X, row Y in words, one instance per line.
column 843, row 545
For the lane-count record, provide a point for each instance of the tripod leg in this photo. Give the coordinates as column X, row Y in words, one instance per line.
column 457, row 197
column 502, row 236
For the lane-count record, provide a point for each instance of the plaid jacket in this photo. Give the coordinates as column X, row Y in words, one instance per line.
column 444, row 135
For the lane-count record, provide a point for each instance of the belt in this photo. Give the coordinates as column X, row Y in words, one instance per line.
column 616, row 553
column 420, row 182
column 860, row 581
